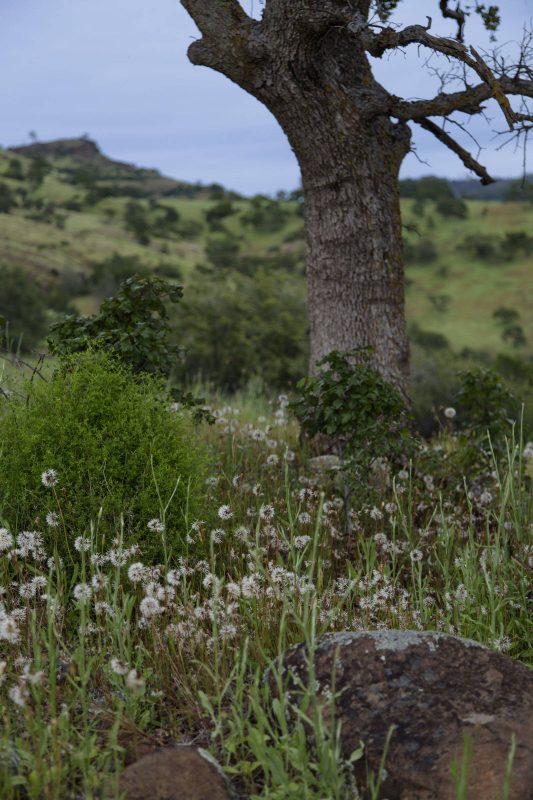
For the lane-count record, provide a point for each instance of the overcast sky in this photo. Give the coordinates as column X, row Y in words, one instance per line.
column 117, row 70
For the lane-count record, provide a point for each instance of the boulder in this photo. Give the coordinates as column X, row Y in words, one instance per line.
column 175, row 773
column 437, row 691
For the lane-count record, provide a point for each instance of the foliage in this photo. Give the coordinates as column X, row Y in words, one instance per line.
column 108, row 274
column 7, row 199
column 136, row 221
column 117, row 447
column 223, row 250
column 14, row 170
column 509, row 321
column 22, row 307
column 38, row 170
column 133, row 325
column 452, row 207
column 264, row 214
column 419, row 252
column 485, row 405
column 234, row 327
column 352, row 404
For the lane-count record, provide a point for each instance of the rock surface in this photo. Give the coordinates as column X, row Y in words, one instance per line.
column 175, row 773
column 434, row 689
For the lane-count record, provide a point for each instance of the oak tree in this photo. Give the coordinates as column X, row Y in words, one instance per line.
column 308, row 62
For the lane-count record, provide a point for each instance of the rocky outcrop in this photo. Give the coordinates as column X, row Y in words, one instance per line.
column 175, row 773
column 438, row 692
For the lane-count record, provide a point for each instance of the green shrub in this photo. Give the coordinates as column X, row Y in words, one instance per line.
column 234, row 327
column 22, row 306
column 7, row 199
column 116, row 445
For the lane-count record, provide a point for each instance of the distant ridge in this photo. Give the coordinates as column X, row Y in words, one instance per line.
column 71, row 155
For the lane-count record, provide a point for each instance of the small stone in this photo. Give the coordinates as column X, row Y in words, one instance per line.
column 175, row 773
column 435, row 689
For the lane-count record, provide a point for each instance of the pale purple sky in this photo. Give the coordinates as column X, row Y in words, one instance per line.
column 118, row 70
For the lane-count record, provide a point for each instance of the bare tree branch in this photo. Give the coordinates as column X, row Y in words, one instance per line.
column 458, row 15
column 468, row 101
column 388, row 38
column 468, row 160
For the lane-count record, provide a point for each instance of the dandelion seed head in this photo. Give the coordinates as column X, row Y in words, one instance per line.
column 49, row 478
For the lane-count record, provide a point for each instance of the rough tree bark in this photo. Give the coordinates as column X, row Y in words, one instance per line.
column 306, row 60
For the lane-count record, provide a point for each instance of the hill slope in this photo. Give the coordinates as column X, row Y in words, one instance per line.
column 73, row 209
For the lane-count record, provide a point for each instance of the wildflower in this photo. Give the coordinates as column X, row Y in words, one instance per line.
column 503, row 644
column 217, row 535
column 304, row 518
column 528, row 452
column 101, row 607
column 8, row 629
column 156, row 526
column 212, row 481
column 3, row 665
column 150, row 607
column 450, row 413
column 6, row 540
column 82, row 592
column 376, row 514
column 267, row 512
column 225, row 512
column 117, row 667
column 485, row 498
column 242, row 533
column 416, row 555
column 17, row 695
column 52, row 519
column 82, row 544
column 133, row 681
column 99, row 582
column 49, row 478
column 290, row 455
column 272, row 460
column 403, row 475
column 381, row 539
column 301, row 541
column 30, row 543
column 461, row 593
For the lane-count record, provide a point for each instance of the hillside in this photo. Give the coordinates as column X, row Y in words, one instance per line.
column 68, row 210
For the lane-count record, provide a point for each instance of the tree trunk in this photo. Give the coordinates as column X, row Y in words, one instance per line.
column 315, row 78
column 355, row 271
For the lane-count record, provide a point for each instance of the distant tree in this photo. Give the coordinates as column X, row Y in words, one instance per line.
column 217, row 213
column 7, row 200
column 22, row 307
column 136, row 221
column 308, row 62
column 223, row 251
column 14, row 170
column 38, row 170
column 452, row 207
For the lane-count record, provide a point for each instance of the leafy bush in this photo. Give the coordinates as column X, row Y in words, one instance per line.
column 422, row 252
column 133, row 325
column 223, row 250
column 136, row 221
column 234, row 327
column 452, row 207
column 14, row 170
column 22, row 306
column 265, row 215
column 355, row 406
column 7, row 200
column 115, row 444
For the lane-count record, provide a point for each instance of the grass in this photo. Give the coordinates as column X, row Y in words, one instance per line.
column 126, row 655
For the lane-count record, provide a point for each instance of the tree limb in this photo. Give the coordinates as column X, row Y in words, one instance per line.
column 389, row 39
column 468, row 160
column 228, row 42
column 469, row 101
column 458, row 15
